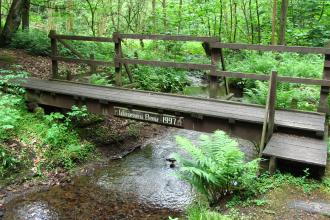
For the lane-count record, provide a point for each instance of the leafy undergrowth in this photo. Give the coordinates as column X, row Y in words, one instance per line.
column 35, row 142
column 229, row 188
column 299, row 96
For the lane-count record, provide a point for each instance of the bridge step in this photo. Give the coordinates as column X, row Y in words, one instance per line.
column 301, row 149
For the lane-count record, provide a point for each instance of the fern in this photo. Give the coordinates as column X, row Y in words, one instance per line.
column 216, row 167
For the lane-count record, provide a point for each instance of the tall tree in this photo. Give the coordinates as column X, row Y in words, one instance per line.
column 13, row 21
column 0, row 15
column 274, row 21
column 26, row 15
column 283, row 21
column 164, row 14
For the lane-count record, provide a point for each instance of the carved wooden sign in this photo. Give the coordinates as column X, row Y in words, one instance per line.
column 170, row 120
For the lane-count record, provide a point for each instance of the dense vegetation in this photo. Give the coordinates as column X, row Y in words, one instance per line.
column 50, row 140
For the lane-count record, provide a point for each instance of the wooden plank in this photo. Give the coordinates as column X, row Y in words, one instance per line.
column 268, row 123
column 168, row 37
column 263, row 77
column 85, row 61
column 189, row 66
column 293, row 150
column 211, row 108
column 81, row 38
column 294, row 49
column 327, row 63
column 272, row 104
column 118, row 54
column 54, row 53
column 324, row 94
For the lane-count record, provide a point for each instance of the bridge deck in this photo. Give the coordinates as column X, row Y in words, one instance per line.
column 314, row 122
column 296, row 148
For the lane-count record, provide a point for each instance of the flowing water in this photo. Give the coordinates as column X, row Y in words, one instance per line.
column 139, row 186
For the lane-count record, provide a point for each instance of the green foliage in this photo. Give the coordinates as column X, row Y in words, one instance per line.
column 101, row 79
column 160, row 79
column 297, row 96
column 64, row 146
column 217, row 167
column 34, row 41
column 201, row 212
column 8, row 162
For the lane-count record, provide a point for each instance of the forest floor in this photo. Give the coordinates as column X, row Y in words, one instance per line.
column 275, row 204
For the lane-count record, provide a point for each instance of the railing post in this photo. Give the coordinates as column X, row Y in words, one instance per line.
column 92, row 66
column 54, row 53
column 269, row 120
column 214, row 80
column 118, row 66
column 323, row 107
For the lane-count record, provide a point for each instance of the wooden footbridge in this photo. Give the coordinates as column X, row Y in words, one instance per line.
column 283, row 135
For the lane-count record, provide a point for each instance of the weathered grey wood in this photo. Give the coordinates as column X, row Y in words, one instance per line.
column 295, row 49
column 168, row 37
column 222, row 109
column 223, row 67
column 272, row 165
column 82, row 38
column 307, row 81
column 297, row 148
column 74, row 51
column 118, row 55
column 166, row 64
column 92, row 66
column 268, row 124
column 323, row 107
column 272, row 104
column 214, row 80
column 327, row 63
column 89, row 62
column 54, row 53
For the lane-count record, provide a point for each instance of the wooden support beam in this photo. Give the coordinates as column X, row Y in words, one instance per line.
column 168, row 37
column 263, row 77
column 292, row 49
column 272, row 105
column 214, row 80
column 54, row 53
column 118, row 55
column 272, row 165
column 93, row 66
column 323, row 107
column 82, row 38
column 268, row 124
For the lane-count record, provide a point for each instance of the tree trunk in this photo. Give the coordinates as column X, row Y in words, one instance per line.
column 0, row 16
column 69, row 21
column 180, row 16
column 164, row 15
column 26, row 15
column 258, row 22
column 12, row 23
column 274, row 22
column 283, row 20
column 154, row 15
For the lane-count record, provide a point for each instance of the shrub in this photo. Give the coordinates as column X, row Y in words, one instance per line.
column 160, row 79
column 201, row 212
column 8, row 162
column 217, row 167
column 34, row 41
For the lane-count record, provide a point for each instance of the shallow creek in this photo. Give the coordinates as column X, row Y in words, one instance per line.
column 140, row 186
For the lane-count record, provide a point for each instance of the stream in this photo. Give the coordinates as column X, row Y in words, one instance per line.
column 140, row 186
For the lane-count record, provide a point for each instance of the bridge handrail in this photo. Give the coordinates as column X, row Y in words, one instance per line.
column 213, row 49
column 264, row 77
column 276, row 48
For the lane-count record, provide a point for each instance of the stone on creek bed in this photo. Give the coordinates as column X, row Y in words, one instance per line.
column 311, row 207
